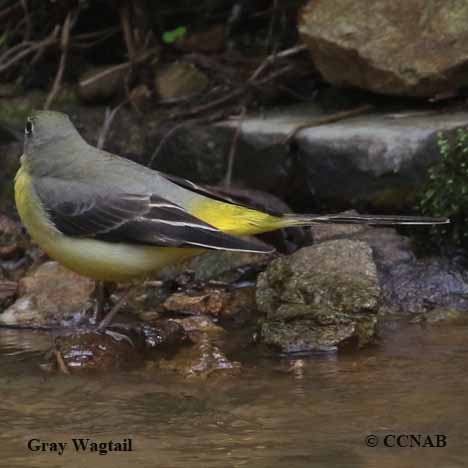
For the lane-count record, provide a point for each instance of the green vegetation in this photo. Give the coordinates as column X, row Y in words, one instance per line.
column 446, row 192
column 169, row 37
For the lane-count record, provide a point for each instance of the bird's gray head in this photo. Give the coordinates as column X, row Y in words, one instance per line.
column 43, row 127
column 49, row 136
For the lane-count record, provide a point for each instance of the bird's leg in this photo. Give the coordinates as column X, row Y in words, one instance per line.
column 101, row 295
column 107, row 320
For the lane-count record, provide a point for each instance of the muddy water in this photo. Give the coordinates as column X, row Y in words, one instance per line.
column 315, row 412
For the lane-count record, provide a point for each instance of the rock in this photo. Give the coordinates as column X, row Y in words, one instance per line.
column 319, row 298
column 124, row 344
column 163, row 334
column 208, row 302
column 202, row 360
column 200, row 324
column 305, row 336
column 100, row 84
column 196, row 153
column 8, row 290
column 388, row 246
column 327, row 232
column 419, row 286
column 241, row 305
column 223, row 303
column 442, row 317
column 96, row 351
column 179, row 80
column 51, row 295
column 388, row 54
column 226, row 267
column 409, row 284
column 378, row 160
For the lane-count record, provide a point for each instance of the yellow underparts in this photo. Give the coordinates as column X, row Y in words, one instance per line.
column 119, row 261
column 99, row 260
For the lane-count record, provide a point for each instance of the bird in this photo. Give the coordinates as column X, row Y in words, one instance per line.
column 111, row 219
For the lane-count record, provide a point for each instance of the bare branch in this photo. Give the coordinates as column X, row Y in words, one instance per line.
column 64, row 45
column 29, row 49
column 108, row 118
column 232, row 150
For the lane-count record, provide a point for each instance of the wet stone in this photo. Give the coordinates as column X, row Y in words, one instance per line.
column 208, row 301
column 99, row 351
column 320, row 298
column 8, row 290
column 51, row 295
column 163, row 334
column 203, row 359
column 199, row 324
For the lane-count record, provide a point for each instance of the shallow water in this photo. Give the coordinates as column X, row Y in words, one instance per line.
column 315, row 412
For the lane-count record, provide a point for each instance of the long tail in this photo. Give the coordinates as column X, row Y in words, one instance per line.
column 305, row 220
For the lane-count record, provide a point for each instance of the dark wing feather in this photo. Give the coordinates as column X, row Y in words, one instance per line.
column 77, row 209
column 223, row 195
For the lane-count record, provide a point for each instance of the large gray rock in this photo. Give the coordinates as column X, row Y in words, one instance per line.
column 378, row 160
column 421, row 286
column 396, row 47
column 410, row 285
column 320, row 297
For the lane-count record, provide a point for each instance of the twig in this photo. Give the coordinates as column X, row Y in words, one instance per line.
column 273, row 76
column 326, row 120
column 173, row 130
column 235, row 93
column 79, row 41
column 13, row 50
column 114, row 68
column 27, row 32
column 253, row 81
column 271, row 26
column 108, row 118
column 164, row 139
column 64, row 44
column 215, row 103
column 127, row 31
column 104, row 73
column 273, row 57
column 61, row 362
column 232, row 150
column 30, row 48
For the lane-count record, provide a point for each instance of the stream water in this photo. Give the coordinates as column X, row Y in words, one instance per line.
column 313, row 412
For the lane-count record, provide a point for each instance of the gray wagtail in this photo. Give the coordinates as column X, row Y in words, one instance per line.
column 112, row 219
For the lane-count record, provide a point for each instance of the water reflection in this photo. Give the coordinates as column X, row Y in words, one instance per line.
column 301, row 412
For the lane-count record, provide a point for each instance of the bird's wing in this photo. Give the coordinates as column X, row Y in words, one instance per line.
column 80, row 210
column 219, row 194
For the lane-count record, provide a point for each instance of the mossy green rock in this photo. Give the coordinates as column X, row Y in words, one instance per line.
column 319, row 297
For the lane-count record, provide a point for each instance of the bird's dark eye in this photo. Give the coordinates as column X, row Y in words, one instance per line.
column 29, row 127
